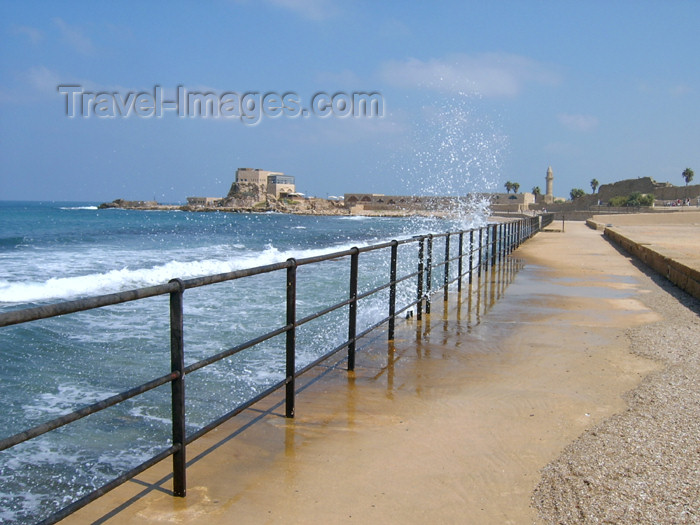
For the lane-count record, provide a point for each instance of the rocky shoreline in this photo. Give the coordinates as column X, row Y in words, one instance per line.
column 310, row 206
column 307, row 207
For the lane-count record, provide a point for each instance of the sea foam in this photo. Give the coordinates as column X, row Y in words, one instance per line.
column 57, row 288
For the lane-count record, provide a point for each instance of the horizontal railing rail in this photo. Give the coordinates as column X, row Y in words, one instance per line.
column 485, row 247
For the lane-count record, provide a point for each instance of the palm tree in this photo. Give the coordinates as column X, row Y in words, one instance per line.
column 536, row 191
column 509, row 186
column 594, row 184
column 516, row 187
column 688, row 175
column 576, row 193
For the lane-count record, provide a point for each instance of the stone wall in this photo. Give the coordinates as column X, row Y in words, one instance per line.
column 680, row 274
column 660, row 190
column 625, row 187
column 678, row 192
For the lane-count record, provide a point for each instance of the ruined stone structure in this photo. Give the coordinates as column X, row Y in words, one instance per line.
column 255, row 185
column 626, row 187
column 662, row 191
column 208, row 202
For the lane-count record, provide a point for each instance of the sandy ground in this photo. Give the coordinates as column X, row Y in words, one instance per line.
column 453, row 423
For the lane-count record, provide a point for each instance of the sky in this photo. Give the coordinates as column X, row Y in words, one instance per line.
column 467, row 95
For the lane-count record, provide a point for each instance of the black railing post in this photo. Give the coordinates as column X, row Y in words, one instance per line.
column 392, row 288
column 520, row 233
column 291, row 336
column 493, row 244
column 481, row 255
column 499, row 243
column 446, row 280
column 506, row 238
column 460, row 247
column 352, row 314
column 508, row 232
column 177, row 366
column 429, row 273
column 471, row 255
column 419, row 286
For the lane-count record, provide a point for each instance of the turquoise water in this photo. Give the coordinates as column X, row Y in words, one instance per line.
column 51, row 252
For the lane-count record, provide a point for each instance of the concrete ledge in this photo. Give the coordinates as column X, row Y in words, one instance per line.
column 595, row 225
column 673, row 267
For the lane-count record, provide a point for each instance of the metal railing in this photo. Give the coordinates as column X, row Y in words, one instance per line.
column 485, row 247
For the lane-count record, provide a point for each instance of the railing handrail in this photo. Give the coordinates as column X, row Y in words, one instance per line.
column 498, row 241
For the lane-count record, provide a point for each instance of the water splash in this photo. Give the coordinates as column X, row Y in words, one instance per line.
column 457, row 152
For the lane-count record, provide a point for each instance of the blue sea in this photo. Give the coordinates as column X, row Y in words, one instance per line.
column 57, row 251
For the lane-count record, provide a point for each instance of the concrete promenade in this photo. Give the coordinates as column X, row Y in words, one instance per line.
column 455, row 421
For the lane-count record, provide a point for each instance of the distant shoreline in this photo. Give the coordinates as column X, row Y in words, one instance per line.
column 277, row 208
column 328, row 208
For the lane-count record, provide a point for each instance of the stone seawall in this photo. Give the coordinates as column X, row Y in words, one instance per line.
column 679, row 272
column 667, row 243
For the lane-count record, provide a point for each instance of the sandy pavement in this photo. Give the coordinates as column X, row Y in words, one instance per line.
column 643, row 464
column 453, row 423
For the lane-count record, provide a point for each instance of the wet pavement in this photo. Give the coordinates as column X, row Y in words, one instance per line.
column 451, row 422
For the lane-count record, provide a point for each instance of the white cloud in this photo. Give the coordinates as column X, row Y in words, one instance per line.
column 578, row 122
column 317, row 10
column 486, row 74
column 681, row 89
column 42, row 79
column 41, row 83
column 75, row 38
column 32, row 33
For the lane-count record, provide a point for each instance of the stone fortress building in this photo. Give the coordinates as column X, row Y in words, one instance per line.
column 251, row 186
column 262, row 182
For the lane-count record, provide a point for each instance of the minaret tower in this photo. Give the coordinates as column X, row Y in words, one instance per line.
column 549, row 195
